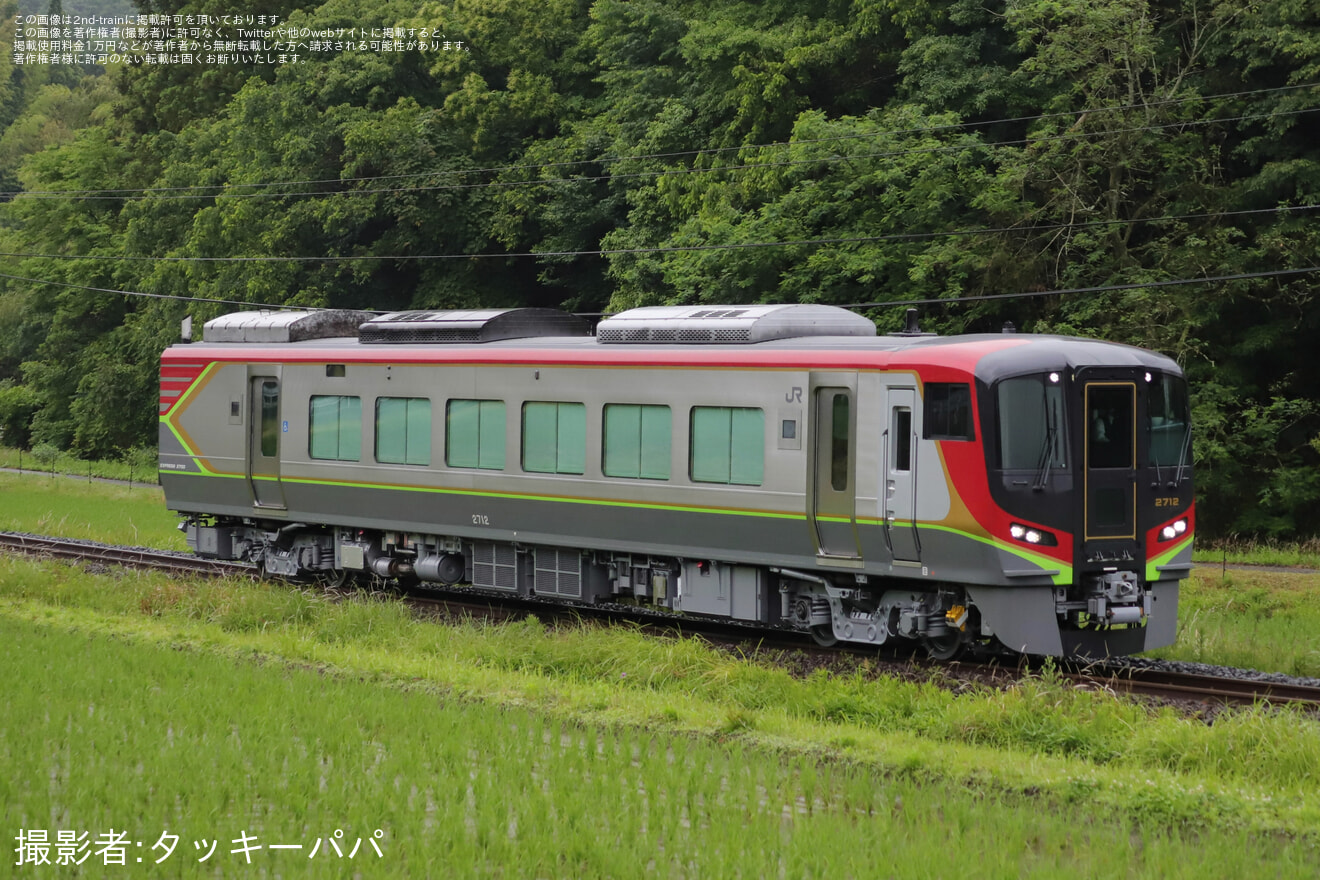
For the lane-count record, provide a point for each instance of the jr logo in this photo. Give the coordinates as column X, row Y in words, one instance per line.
column 794, row 395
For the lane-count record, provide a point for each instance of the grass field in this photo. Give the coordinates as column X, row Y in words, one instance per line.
column 67, row 508
column 157, row 742
column 1251, row 769
column 138, row 465
column 1253, row 619
column 211, row 709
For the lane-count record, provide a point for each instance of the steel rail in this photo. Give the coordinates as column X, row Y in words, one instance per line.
column 131, row 557
column 1126, row 679
column 1199, row 686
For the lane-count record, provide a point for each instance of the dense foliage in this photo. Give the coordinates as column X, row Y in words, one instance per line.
column 926, row 149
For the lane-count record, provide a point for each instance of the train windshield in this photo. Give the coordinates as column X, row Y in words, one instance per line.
column 1168, row 420
column 1031, row 423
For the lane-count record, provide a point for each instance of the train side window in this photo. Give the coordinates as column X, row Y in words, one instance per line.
column 948, row 411
column 902, row 439
column 270, row 419
column 554, row 437
column 474, row 434
column 335, row 428
column 636, row 441
column 403, row 430
column 839, row 443
column 728, row 445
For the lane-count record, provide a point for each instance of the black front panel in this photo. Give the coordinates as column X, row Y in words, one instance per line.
column 1109, row 410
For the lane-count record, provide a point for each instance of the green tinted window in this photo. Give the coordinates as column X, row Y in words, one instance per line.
column 839, row 443
column 728, row 445
column 403, row 430
column 335, row 428
column 554, row 438
column 270, row 418
column 636, row 441
column 474, row 434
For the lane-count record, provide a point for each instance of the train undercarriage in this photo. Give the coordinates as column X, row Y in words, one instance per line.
column 943, row 618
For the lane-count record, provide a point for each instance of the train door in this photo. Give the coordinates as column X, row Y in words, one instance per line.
column 264, row 430
column 834, row 477
column 900, row 470
column 1109, row 455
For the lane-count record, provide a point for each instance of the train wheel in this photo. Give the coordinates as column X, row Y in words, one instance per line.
column 944, row 647
column 333, row 579
column 824, row 635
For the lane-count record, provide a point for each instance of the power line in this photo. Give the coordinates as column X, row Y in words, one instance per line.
column 1106, row 288
column 863, row 239
column 69, row 195
column 200, row 299
column 681, row 153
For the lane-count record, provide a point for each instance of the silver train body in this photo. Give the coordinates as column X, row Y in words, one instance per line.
column 779, row 465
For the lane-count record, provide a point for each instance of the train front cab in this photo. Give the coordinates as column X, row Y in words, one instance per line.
column 1099, row 458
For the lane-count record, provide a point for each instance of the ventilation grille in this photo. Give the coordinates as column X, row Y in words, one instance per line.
column 470, row 326
column 558, row 573
column 693, row 325
column 495, row 566
column 401, row 336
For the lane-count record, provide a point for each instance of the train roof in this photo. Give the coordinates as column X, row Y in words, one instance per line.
column 800, row 336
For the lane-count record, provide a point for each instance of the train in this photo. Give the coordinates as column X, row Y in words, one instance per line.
column 783, row 466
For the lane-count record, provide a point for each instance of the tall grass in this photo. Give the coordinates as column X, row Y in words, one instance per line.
column 1259, row 620
column 135, row 465
column 65, row 508
column 1255, row 768
column 1259, row 551
column 150, row 740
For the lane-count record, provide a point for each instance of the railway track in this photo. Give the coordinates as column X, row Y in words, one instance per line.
column 1200, row 687
column 1241, row 689
column 130, row 557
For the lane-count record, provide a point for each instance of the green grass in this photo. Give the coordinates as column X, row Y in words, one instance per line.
column 139, row 465
column 149, row 739
column 65, row 508
column 1250, row 770
column 1252, row 551
column 1255, row 619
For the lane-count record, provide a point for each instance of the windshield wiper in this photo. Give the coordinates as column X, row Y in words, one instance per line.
column 1047, row 448
column 1182, row 456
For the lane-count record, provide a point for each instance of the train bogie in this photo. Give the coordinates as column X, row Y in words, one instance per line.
column 772, row 464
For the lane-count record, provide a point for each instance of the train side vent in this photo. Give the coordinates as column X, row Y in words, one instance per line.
column 272, row 326
column 471, row 325
column 494, row 566
column 558, row 573
column 729, row 325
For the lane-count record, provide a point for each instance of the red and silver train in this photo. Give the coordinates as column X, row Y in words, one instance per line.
column 781, row 465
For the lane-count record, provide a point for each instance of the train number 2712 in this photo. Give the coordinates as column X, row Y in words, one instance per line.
column 1171, row 501
column 480, row 519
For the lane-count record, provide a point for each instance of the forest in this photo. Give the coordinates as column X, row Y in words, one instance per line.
column 1144, row 171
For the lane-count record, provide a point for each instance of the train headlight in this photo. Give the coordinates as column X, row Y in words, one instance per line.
column 1029, row 535
column 1174, row 529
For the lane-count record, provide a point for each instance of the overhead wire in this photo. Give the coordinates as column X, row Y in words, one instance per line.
column 226, row 188
column 946, row 301
column 808, row 242
column 144, row 294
